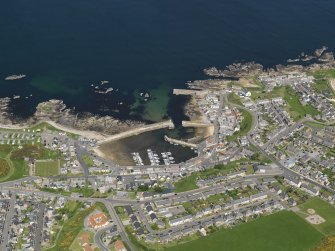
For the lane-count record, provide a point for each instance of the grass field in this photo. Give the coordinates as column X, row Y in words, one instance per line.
column 281, row 231
column 325, row 210
column 245, row 126
column 47, row 168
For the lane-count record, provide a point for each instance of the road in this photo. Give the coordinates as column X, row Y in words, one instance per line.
column 81, row 152
column 39, row 228
column 120, row 226
column 98, row 238
column 287, row 171
column 8, row 222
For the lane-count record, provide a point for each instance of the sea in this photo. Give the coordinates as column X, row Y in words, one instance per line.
column 66, row 48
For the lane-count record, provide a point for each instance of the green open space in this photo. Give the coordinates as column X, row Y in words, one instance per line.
column 88, row 160
column 245, row 126
column 77, row 243
column 73, row 225
column 280, row 231
column 15, row 157
column 294, row 107
column 4, row 167
column 47, row 168
column 234, row 98
column 325, row 73
column 322, row 208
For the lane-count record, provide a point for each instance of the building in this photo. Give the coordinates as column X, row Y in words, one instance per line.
column 97, row 220
column 119, row 246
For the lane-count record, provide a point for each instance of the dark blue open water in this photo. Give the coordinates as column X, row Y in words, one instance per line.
column 64, row 46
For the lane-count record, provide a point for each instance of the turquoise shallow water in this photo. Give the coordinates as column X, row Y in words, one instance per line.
column 66, row 46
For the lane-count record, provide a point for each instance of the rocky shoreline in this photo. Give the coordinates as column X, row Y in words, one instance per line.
column 56, row 110
column 319, row 59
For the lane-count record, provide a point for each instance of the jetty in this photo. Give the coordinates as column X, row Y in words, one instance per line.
column 189, row 92
column 196, row 124
column 147, row 128
column 179, row 142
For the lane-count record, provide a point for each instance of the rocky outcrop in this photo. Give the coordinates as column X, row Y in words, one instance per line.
column 56, row 110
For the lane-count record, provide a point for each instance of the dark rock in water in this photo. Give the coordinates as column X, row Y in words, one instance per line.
column 327, row 57
column 319, row 52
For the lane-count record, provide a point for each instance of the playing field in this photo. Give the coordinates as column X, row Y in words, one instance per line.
column 322, row 208
column 47, row 168
column 281, row 231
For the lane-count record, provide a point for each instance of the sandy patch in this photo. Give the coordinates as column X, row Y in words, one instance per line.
column 332, row 83
column 246, row 83
column 315, row 219
column 310, row 211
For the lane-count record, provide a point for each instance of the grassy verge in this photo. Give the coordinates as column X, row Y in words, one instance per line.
column 88, row 160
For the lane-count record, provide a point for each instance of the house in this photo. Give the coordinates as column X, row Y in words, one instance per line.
column 119, row 246
column 291, row 202
column 240, row 202
column 236, row 174
column 293, row 181
column 153, row 217
column 277, row 190
column 262, row 168
column 129, row 210
column 312, row 191
column 259, row 196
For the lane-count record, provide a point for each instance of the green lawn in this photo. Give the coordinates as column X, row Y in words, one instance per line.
column 281, row 231
column 325, row 210
column 47, row 168
column 186, row 184
column 296, row 109
column 234, row 98
column 245, row 126
column 88, row 160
